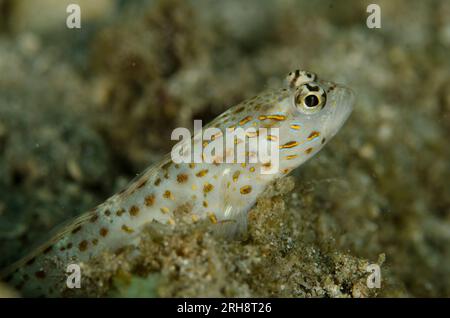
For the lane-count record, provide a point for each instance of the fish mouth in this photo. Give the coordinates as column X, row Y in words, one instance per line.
column 342, row 107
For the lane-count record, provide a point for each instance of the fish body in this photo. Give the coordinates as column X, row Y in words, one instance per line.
column 306, row 114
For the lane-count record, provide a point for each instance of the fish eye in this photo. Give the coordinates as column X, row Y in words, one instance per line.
column 310, row 98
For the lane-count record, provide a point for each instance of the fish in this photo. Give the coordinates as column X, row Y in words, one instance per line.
column 297, row 121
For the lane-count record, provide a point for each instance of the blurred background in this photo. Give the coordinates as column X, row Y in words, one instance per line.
column 83, row 110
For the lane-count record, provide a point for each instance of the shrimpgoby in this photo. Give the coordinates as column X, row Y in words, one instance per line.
column 307, row 112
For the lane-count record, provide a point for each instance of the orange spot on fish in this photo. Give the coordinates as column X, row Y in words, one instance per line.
column 289, row 144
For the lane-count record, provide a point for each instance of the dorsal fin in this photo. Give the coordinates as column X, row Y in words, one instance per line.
column 59, row 232
column 68, row 226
